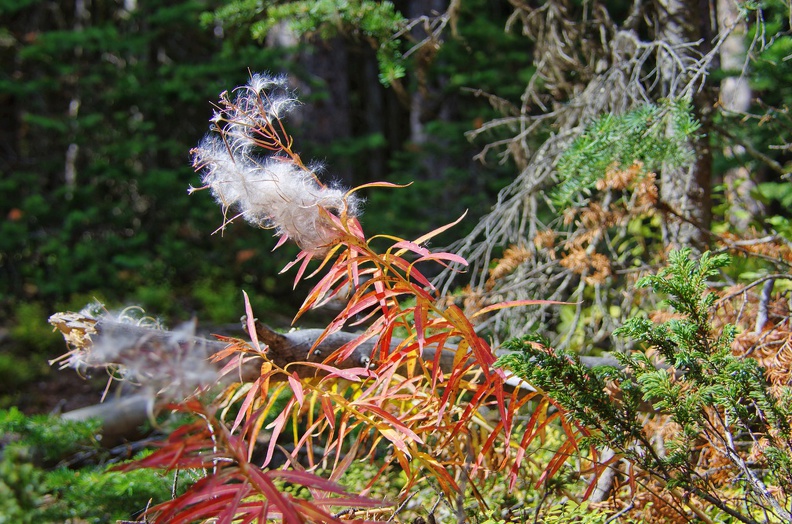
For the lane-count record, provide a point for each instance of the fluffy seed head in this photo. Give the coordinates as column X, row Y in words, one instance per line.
column 250, row 168
column 169, row 364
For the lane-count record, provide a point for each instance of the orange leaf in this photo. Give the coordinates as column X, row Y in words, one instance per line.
column 441, row 229
column 481, row 350
column 377, row 184
column 393, row 421
column 518, row 303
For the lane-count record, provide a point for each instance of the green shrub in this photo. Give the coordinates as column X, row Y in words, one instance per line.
column 684, row 369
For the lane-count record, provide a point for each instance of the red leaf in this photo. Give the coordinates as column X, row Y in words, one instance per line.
column 309, row 480
column 561, row 456
column 227, row 517
column 327, row 409
column 268, row 489
column 599, row 469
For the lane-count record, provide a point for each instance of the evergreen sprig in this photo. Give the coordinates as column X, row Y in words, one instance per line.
column 372, row 21
column 580, row 390
column 652, row 135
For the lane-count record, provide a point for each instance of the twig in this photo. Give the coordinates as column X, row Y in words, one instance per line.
column 402, row 506
column 623, row 511
column 746, row 287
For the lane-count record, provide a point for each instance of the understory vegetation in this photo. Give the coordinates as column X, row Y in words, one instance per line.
column 604, row 338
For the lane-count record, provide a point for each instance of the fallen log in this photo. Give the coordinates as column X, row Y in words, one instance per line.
column 171, row 365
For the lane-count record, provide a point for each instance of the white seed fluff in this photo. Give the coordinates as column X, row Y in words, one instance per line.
column 268, row 190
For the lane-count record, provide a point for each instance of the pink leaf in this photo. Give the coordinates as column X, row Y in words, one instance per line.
column 411, row 272
column 439, row 257
column 300, row 256
column 345, row 351
column 419, row 315
column 351, row 374
column 277, row 426
column 296, row 385
column 302, row 269
column 406, row 245
column 282, row 240
column 251, row 323
column 245, row 408
column 422, row 239
column 303, row 256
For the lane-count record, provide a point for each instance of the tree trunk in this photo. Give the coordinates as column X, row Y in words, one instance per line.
column 735, row 98
column 686, row 191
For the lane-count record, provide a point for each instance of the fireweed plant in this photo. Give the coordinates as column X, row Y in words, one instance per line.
column 416, row 401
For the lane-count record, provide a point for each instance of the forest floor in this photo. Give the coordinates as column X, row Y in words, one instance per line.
column 59, row 391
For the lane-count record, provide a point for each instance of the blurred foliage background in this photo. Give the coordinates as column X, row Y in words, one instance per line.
column 102, row 102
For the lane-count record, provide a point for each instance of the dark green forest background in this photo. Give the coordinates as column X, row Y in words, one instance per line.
column 101, row 105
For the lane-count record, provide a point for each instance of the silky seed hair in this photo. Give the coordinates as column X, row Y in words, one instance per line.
column 250, row 177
